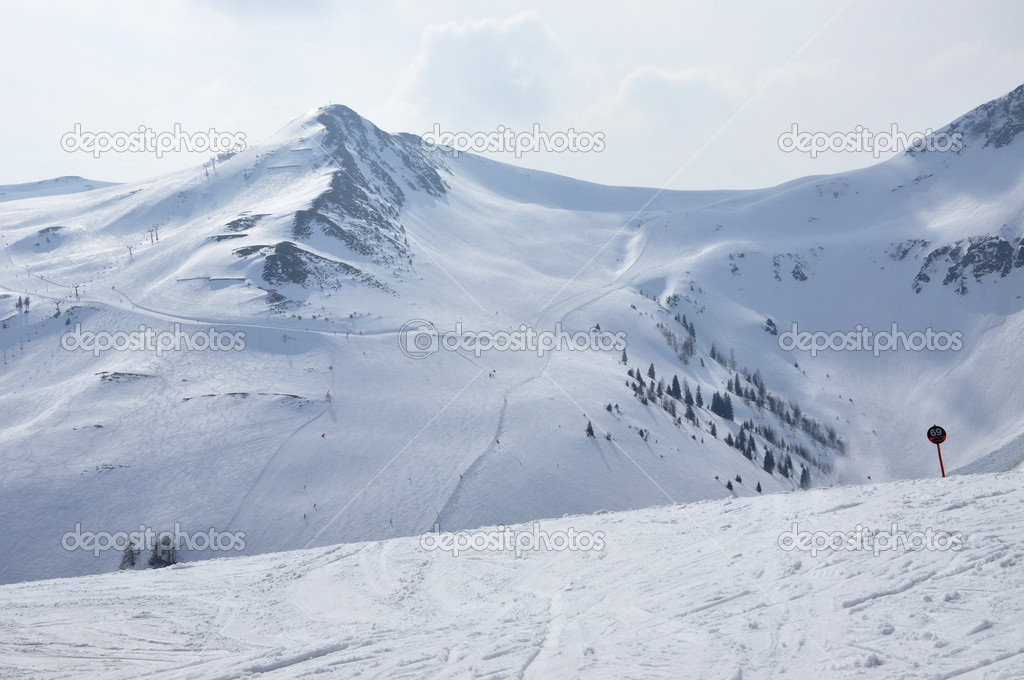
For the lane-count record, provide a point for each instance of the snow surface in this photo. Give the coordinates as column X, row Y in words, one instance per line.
column 57, row 186
column 249, row 441
column 686, row 591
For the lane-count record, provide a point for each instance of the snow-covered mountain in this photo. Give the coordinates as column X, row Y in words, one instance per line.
column 922, row 579
column 318, row 251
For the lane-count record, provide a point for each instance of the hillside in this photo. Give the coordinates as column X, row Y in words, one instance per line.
column 320, row 248
column 688, row 591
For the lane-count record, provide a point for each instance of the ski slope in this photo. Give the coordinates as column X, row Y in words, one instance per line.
column 323, row 242
column 699, row 591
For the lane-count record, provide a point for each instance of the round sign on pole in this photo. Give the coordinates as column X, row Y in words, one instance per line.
column 936, row 435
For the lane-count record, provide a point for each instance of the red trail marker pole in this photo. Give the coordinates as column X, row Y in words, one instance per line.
column 937, row 435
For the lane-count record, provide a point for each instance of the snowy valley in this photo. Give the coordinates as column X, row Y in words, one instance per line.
column 324, row 278
column 320, row 249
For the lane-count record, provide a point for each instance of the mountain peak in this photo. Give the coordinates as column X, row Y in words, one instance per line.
column 995, row 123
column 340, row 114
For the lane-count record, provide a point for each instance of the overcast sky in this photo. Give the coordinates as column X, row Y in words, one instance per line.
column 689, row 95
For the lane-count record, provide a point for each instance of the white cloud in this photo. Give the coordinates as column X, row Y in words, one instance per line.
column 658, row 80
column 484, row 73
column 652, row 97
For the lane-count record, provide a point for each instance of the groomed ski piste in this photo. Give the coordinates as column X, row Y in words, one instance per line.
column 732, row 589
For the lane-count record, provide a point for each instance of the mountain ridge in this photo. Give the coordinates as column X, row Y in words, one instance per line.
column 325, row 269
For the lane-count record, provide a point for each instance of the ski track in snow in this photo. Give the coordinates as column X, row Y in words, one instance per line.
column 452, row 505
column 700, row 590
column 664, row 599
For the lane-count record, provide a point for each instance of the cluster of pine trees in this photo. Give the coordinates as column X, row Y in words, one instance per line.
column 750, row 387
column 162, row 554
column 755, row 393
column 685, row 348
column 665, row 394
